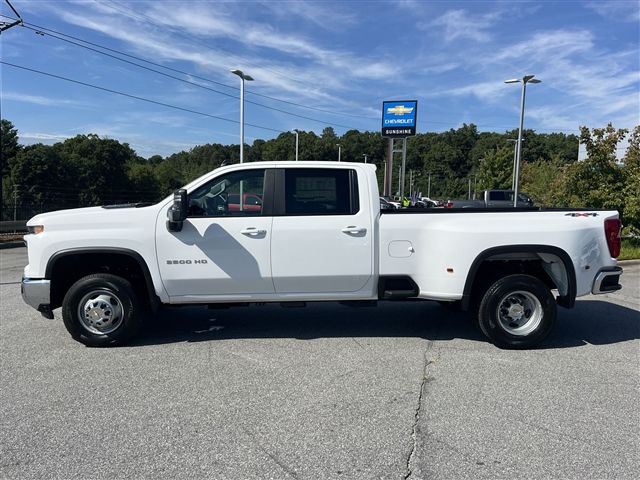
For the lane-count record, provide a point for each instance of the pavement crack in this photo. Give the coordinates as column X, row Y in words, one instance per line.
column 274, row 457
column 414, row 438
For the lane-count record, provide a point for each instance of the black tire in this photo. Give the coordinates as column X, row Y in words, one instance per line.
column 517, row 311
column 102, row 310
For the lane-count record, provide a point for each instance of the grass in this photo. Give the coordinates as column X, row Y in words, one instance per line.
column 630, row 249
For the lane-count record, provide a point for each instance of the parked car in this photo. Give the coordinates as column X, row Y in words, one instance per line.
column 252, row 202
column 386, row 205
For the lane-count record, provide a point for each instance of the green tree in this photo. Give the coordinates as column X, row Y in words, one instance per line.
column 44, row 180
column 631, row 173
column 596, row 182
column 100, row 168
column 9, row 147
column 543, row 181
column 496, row 170
column 144, row 183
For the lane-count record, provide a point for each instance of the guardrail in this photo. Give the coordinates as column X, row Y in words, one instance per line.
column 11, row 226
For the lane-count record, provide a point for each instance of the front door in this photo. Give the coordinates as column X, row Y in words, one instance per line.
column 223, row 248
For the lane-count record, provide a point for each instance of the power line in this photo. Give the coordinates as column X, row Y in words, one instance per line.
column 288, row 102
column 192, row 39
column 43, row 32
column 135, row 97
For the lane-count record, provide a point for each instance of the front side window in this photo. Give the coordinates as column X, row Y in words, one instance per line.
column 323, row 191
column 234, row 194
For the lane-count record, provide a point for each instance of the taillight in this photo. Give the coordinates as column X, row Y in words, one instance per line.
column 612, row 227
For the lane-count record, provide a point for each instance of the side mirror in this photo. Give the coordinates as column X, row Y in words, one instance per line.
column 177, row 214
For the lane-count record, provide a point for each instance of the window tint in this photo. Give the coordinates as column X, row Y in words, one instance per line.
column 234, row 194
column 323, row 191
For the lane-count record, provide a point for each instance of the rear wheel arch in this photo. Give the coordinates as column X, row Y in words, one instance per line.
column 65, row 267
column 512, row 258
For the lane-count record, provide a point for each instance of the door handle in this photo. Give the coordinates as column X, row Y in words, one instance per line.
column 253, row 232
column 353, row 230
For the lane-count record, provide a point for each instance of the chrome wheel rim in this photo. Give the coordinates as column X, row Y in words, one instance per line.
column 519, row 313
column 100, row 312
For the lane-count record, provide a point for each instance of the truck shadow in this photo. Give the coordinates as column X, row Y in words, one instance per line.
column 590, row 322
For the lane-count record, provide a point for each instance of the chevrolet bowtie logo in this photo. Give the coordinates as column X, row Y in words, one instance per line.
column 400, row 110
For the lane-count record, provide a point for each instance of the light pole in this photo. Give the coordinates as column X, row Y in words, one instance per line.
column 243, row 77
column 365, row 157
column 515, row 156
column 296, row 132
column 516, row 174
column 339, row 150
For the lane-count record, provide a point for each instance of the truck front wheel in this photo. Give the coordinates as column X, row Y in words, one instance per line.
column 102, row 310
column 517, row 311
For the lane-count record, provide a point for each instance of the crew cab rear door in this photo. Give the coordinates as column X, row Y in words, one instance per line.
column 322, row 237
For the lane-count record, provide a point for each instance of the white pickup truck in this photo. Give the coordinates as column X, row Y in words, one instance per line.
column 312, row 231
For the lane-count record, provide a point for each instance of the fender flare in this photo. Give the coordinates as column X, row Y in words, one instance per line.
column 154, row 301
column 567, row 301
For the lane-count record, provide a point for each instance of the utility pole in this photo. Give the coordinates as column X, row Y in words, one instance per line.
column 429, row 186
column 339, row 150
column 6, row 26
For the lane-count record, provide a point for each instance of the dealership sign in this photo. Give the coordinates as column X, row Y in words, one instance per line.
column 399, row 118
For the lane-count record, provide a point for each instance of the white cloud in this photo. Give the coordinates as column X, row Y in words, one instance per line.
column 39, row 137
column 542, row 45
column 332, row 19
column 486, row 91
column 301, row 70
column 621, row 10
column 39, row 100
column 458, row 24
column 551, row 118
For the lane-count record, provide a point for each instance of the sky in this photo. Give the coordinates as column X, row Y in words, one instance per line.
column 315, row 64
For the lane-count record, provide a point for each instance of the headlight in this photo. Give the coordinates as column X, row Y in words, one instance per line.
column 35, row 229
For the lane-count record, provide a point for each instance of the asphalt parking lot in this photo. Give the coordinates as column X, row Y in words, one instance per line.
column 404, row 390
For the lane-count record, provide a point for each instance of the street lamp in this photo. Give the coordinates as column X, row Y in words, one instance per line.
column 296, row 132
column 248, row 78
column 339, row 150
column 365, row 155
column 516, row 174
column 515, row 155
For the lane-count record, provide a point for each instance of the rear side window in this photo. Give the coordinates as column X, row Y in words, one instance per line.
column 321, row 191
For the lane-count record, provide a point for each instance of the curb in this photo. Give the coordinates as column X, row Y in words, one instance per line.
column 628, row 263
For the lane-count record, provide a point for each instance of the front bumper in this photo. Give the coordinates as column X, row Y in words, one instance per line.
column 607, row 280
column 36, row 292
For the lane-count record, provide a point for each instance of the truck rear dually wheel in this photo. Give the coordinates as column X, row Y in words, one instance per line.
column 517, row 311
column 102, row 310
